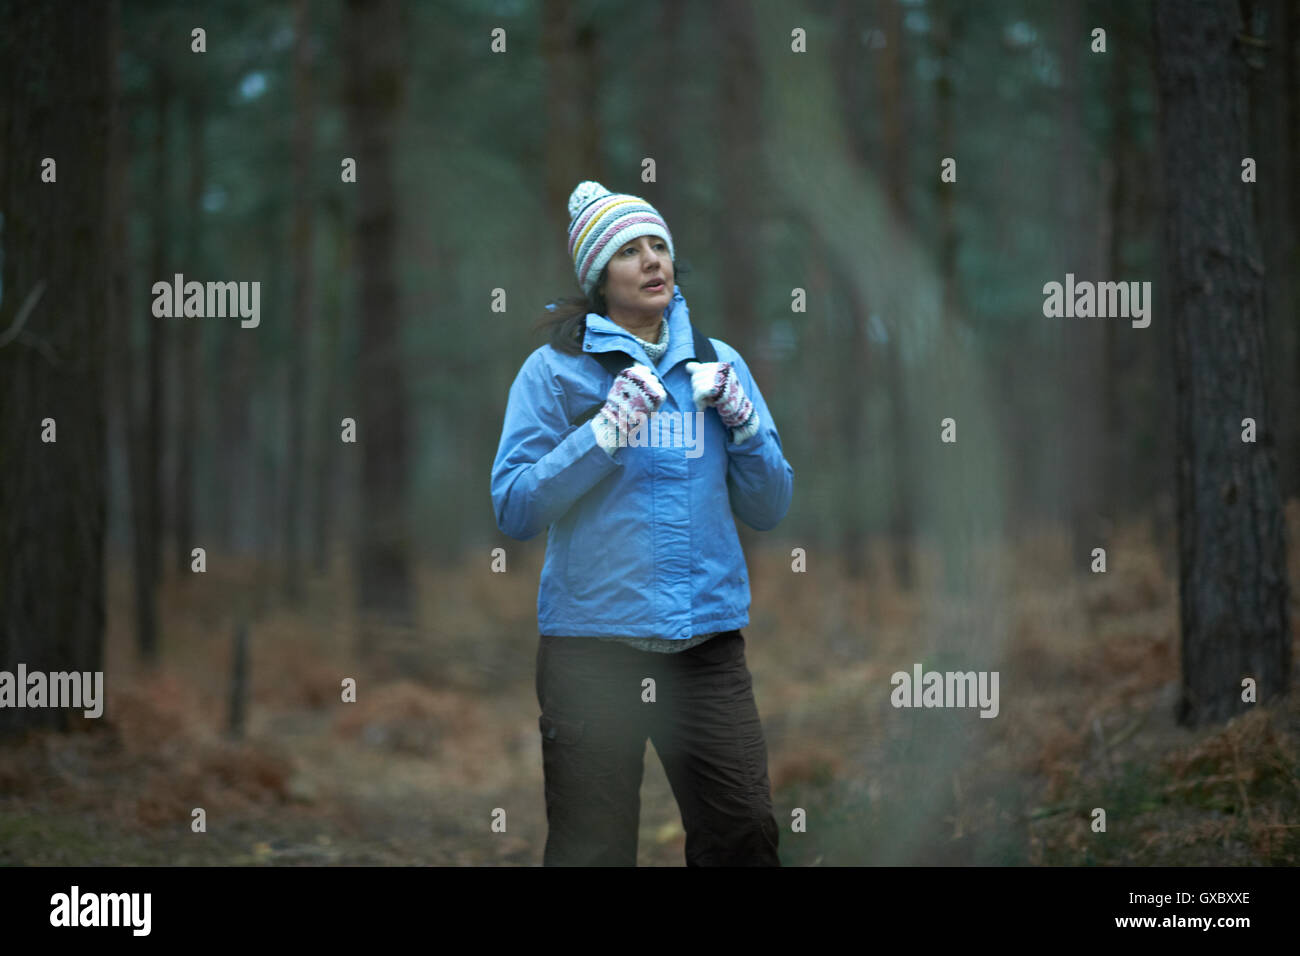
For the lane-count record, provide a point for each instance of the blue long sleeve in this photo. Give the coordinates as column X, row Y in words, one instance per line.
column 760, row 482
column 537, row 474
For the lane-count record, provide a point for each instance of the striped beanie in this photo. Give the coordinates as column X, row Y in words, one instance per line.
column 600, row 222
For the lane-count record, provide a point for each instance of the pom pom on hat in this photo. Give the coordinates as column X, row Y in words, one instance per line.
column 582, row 194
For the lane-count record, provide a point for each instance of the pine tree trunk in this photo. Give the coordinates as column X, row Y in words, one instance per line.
column 740, row 181
column 383, row 569
column 853, row 361
column 573, row 130
column 187, row 336
column 329, row 402
column 56, row 83
column 1232, row 562
column 902, row 522
column 950, row 533
column 156, row 336
column 1271, row 94
column 304, row 134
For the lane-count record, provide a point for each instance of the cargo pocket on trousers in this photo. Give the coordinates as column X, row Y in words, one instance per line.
column 560, row 731
column 560, row 740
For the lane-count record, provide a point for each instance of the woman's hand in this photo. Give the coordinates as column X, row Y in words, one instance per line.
column 636, row 391
column 716, row 384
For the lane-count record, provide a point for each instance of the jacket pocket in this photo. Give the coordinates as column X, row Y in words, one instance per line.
column 609, row 564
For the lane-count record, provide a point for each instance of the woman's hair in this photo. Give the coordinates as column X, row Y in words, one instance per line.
column 567, row 321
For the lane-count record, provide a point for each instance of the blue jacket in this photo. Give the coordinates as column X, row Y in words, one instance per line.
column 642, row 544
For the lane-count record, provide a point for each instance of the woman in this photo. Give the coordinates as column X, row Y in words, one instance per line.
column 644, row 589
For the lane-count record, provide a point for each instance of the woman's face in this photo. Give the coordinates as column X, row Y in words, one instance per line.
column 631, row 273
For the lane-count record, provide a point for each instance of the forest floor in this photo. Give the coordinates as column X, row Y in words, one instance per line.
column 443, row 734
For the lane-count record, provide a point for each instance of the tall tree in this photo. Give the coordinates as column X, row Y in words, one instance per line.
column 187, row 335
column 668, row 141
column 948, row 24
column 1291, row 70
column 740, row 180
column 853, row 363
column 1115, row 186
column 1270, row 50
column 117, row 303
column 375, row 95
column 145, row 425
column 571, row 54
column 891, row 81
column 1232, row 562
column 141, row 495
column 301, row 240
column 329, row 397
column 1077, row 343
column 161, row 260
column 56, row 81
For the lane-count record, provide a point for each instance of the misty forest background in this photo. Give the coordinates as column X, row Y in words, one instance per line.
column 776, row 171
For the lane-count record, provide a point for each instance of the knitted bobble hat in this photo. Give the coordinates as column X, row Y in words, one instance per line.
column 600, row 222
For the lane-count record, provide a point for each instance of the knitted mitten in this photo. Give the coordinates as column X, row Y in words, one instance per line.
column 717, row 384
column 635, row 392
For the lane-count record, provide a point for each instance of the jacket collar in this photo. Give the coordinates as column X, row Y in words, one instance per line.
column 605, row 335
